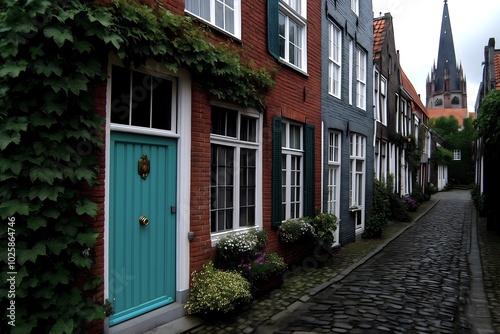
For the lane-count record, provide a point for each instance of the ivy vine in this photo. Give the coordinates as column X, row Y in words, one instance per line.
column 54, row 54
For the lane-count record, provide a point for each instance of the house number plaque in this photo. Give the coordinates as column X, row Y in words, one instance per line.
column 144, row 167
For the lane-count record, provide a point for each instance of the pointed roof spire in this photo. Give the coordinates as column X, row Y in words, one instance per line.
column 447, row 63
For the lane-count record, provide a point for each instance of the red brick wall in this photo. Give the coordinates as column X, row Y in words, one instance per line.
column 295, row 96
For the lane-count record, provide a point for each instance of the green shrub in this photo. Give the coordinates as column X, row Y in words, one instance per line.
column 478, row 199
column 261, row 266
column 232, row 247
column 216, row 291
column 417, row 193
column 380, row 211
column 399, row 210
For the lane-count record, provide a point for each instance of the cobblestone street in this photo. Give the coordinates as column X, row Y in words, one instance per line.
column 418, row 283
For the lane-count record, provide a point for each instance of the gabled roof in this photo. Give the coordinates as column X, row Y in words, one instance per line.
column 379, row 33
column 411, row 89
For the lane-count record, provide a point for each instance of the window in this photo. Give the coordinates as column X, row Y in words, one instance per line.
column 457, row 154
column 355, row 6
column 361, row 80
column 234, row 169
column 334, row 57
column 141, row 99
column 383, row 100
column 292, row 171
column 292, row 33
column 224, row 14
column 334, row 145
column 381, row 160
column 357, row 179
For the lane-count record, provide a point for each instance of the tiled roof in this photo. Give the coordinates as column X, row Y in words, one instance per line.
column 379, row 32
column 497, row 68
column 458, row 113
column 411, row 89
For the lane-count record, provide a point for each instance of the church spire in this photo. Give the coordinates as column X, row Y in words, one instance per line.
column 447, row 64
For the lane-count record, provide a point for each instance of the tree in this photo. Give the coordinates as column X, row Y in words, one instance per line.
column 444, row 126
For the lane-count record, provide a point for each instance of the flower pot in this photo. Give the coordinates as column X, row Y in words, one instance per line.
column 263, row 287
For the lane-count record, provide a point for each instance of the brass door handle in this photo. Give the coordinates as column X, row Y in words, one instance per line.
column 143, row 220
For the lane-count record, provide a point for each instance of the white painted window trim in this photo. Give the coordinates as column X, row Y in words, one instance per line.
column 238, row 145
column 361, row 67
column 288, row 153
column 211, row 22
column 300, row 19
column 334, row 63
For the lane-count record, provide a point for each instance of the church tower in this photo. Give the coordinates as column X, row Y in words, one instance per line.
column 446, row 86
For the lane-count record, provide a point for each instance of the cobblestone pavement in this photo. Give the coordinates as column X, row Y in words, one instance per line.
column 418, row 283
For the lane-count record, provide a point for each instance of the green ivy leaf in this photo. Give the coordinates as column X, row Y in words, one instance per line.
column 86, row 207
column 24, row 255
column 44, row 174
column 36, row 222
column 56, row 245
column 47, row 68
column 13, row 68
column 58, row 34
column 12, row 207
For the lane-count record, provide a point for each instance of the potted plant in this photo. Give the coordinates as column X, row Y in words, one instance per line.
column 293, row 230
column 244, row 253
column 324, row 224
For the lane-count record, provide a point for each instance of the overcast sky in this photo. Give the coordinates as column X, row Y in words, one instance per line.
column 417, row 26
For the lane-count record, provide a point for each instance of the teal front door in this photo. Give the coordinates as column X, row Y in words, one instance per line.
column 141, row 224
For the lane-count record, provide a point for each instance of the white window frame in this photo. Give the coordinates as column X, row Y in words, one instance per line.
column 237, row 144
column 383, row 100
column 357, row 180
column 334, row 165
column 457, row 154
column 361, row 67
column 334, row 60
column 355, row 6
column 294, row 12
column 212, row 19
column 292, row 199
column 376, row 94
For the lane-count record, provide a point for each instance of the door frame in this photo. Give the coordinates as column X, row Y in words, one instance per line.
column 183, row 136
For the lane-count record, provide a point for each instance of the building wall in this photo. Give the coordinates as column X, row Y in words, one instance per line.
column 339, row 114
column 295, row 96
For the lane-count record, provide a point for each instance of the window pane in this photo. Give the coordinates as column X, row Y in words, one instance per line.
column 120, row 95
column 248, row 129
column 281, row 31
column 141, row 99
column 162, row 104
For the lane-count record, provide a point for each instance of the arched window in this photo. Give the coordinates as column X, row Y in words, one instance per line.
column 455, row 100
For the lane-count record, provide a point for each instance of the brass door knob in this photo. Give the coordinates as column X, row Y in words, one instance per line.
column 143, row 220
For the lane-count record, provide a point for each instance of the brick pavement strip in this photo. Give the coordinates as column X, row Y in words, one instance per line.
column 489, row 246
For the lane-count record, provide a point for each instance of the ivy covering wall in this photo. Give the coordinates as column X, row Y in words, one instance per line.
column 53, row 54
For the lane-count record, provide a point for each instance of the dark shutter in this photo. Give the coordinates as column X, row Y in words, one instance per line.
column 309, row 170
column 276, row 173
column 273, row 45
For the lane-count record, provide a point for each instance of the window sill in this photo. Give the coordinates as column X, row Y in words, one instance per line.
column 213, row 27
column 293, row 67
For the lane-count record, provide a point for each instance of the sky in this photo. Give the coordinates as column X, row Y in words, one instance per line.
column 417, row 27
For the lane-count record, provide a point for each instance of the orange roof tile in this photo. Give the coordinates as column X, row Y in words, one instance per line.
column 458, row 113
column 378, row 36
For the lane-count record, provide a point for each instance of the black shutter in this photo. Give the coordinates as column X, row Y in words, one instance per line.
column 273, row 45
column 309, row 170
